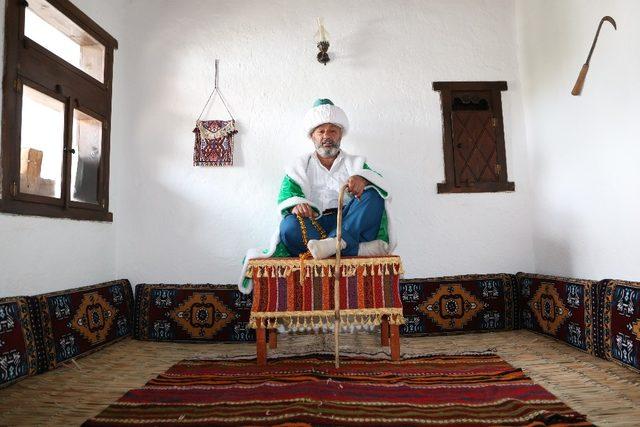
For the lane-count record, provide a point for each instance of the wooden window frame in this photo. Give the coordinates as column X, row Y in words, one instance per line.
column 446, row 90
column 27, row 62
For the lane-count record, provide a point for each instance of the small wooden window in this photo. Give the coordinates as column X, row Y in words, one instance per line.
column 473, row 137
column 56, row 112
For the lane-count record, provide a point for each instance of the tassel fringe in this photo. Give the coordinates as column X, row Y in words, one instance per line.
column 307, row 321
column 284, row 267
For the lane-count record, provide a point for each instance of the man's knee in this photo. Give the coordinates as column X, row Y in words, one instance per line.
column 290, row 229
column 371, row 196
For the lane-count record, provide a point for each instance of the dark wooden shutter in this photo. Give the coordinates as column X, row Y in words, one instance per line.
column 474, row 151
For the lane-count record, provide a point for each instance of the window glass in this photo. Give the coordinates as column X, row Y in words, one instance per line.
column 48, row 27
column 42, row 142
column 87, row 144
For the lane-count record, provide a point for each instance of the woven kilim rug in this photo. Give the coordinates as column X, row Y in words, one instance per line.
column 470, row 389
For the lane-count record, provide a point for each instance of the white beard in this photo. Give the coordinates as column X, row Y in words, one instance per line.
column 328, row 152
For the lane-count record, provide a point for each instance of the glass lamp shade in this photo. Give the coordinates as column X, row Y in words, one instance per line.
column 321, row 35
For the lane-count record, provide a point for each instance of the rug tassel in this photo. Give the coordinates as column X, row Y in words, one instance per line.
column 377, row 320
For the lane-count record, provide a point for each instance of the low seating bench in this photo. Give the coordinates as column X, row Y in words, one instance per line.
column 298, row 296
column 44, row 332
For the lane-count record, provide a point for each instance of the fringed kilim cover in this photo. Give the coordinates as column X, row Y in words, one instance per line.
column 618, row 322
column 559, row 307
column 18, row 352
column 459, row 304
column 470, row 389
column 76, row 322
column 192, row 313
column 299, row 295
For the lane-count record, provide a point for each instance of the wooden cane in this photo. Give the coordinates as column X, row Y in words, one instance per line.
column 336, row 275
column 577, row 88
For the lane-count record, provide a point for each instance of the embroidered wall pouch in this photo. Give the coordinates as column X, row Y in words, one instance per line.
column 214, row 142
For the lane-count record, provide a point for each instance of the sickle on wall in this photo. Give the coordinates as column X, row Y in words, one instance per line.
column 577, row 88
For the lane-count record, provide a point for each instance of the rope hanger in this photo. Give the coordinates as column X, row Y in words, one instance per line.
column 216, row 90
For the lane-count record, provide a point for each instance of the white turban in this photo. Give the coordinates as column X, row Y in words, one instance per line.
column 323, row 112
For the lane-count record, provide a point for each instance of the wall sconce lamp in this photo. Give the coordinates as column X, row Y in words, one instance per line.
column 323, row 43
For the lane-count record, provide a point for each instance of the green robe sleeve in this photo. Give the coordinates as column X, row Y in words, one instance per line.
column 291, row 194
column 371, row 176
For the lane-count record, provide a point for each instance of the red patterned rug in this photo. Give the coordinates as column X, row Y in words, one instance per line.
column 468, row 390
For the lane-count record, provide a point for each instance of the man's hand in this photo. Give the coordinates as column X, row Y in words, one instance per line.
column 304, row 210
column 356, row 185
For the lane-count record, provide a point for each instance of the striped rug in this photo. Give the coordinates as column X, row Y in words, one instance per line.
column 467, row 390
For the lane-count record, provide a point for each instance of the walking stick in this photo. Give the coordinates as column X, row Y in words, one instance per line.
column 336, row 275
column 577, row 89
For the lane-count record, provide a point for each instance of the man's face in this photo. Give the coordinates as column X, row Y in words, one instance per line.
column 326, row 139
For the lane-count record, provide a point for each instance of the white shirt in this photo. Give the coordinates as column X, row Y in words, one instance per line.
column 325, row 184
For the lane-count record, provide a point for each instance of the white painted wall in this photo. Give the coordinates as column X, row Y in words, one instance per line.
column 178, row 223
column 575, row 215
column 584, row 151
column 44, row 254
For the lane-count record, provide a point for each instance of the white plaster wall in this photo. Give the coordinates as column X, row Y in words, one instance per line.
column 44, row 254
column 584, row 151
column 179, row 223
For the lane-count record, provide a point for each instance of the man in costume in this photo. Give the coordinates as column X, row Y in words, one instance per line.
column 308, row 198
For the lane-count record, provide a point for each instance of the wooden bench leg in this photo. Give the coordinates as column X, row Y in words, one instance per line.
column 384, row 331
column 261, row 346
column 395, row 342
column 273, row 339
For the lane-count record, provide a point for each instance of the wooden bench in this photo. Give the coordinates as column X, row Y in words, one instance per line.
column 298, row 296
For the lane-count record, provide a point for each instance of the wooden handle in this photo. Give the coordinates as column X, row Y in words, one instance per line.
column 577, row 88
column 336, row 283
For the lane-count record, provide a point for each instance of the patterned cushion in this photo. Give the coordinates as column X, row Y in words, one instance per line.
column 559, row 307
column 618, row 322
column 192, row 313
column 77, row 322
column 18, row 357
column 458, row 304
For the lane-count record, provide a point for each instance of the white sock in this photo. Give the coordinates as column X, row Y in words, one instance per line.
column 321, row 249
column 373, row 248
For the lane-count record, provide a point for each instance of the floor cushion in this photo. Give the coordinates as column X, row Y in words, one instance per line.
column 18, row 353
column 198, row 313
column 560, row 307
column 76, row 322
column 618, row 322
column 477, row 302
